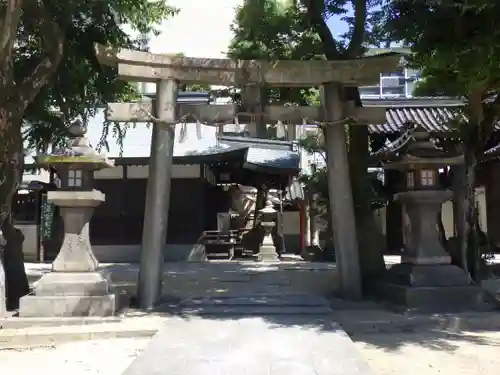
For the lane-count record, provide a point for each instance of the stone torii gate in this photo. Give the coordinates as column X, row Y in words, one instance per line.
column 249, row 75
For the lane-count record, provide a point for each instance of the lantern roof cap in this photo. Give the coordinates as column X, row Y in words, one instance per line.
column 415, row 149
column 77, row 155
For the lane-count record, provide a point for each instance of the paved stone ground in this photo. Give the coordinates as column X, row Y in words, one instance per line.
column 260, row 334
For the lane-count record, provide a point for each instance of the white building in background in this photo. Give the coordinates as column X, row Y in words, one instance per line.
column 399, row 84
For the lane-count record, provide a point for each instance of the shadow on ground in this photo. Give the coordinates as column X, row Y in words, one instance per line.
column 368, row 322
column 296, row 295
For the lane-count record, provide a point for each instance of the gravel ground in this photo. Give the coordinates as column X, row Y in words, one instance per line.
column 106, row 357
column 432, row 353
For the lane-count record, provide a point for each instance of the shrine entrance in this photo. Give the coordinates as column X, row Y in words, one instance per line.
column 240, row 184
column 337, row 110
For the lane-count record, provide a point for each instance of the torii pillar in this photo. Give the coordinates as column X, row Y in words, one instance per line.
column 340, row 192
column 154, row 233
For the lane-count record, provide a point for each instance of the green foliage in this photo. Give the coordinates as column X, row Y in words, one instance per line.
column 276, row 30
column 79, row 85
column 313, row 144
column 296, row 30
column 317, row 181
column 455, row 45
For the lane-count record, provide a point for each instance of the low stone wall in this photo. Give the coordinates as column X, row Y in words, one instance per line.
column 132, row 253
column 171, row 252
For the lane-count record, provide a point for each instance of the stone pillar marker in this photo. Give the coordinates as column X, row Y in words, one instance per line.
column 267, row 252
column 75, row 287
column 158, row 194
column 340, row 193
column 425, row 279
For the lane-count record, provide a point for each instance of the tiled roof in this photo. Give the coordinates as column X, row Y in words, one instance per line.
column 432, row 114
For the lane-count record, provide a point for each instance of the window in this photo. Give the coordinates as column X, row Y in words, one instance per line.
column 410, row 86
column 393, row 91
column 410, row 180
column 369, row 91
column 75, row 178
column 412, row 73
column 427, row 178
column 392, row 82
column 398, row 73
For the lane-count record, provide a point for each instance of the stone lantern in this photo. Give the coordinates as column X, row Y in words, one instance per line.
column 75, row 287
column 425, row 279
column 267, row 251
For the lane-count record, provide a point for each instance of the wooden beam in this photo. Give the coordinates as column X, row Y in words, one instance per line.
column 142, row 111
column 150, row 67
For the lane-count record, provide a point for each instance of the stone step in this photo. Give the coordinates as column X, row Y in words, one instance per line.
column 293, row 304
column 255, row 310
column 300, row 300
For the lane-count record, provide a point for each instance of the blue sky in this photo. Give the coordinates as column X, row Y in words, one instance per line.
column 337, row 26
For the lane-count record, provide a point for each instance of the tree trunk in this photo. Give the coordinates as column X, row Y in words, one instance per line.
column 371, row 242
column 11, row 168
column 469, row 246
column 458, row 250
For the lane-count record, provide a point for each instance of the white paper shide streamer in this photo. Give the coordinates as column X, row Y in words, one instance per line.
column 183, row 132
column 198, row 129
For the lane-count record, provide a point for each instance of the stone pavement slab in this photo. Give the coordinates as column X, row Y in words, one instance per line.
column 253, row 346
column 254, row 335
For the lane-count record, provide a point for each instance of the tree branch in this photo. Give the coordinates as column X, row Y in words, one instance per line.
column 8, row 28
column 53, row 38
column 355, row 48
column 316, row 20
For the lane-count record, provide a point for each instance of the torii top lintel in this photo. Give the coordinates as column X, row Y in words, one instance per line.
column 151, row 67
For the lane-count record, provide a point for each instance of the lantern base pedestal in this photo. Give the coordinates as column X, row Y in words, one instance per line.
column 64, row 294
column 429, row 288
column 267, row 251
